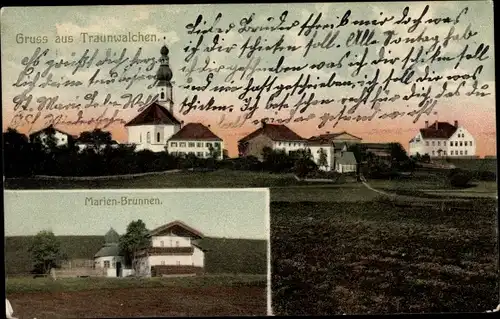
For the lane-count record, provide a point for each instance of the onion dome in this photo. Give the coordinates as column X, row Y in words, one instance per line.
column 164, row 73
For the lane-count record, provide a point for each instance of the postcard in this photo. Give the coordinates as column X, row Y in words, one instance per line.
column 372, row 124
column 137, row 253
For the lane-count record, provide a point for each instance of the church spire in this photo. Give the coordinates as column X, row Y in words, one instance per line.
column 163, row 78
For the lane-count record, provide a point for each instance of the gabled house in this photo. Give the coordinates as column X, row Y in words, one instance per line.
column 346, row 163
column 109, row 257
column 197, row 139
column 60, row 138
column 442, row 139
column 331, row 146
column 274, row 136
column 151, row 129
column 173, row 251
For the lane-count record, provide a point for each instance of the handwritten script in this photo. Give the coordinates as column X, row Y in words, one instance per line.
column 324, row 68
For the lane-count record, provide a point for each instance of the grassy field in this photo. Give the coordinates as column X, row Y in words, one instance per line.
column 130, row 298
column 236, row 256
column 373, row 257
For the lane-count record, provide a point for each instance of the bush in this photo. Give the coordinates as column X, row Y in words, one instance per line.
column 303, row 167
column 459, row 178
column 486, row 176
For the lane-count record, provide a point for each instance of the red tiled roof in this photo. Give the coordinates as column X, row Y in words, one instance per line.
column 154, row 114
column 274, row 132
column 195, row 131
column 177, row 223
column 438, row 130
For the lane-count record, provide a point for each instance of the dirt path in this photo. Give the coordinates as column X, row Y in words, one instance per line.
column 139, row 302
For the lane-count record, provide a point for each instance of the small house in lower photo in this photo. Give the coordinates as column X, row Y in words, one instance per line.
column 173, row 251
column 108, row 257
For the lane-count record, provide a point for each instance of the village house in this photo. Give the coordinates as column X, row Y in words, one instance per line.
column 443, row 139
column 108, row 257
column 334, row 148
column 380, row 150
column 197, row 139
column 61, row 138
column 276, row 137
column 151, row 129
column 173, row 251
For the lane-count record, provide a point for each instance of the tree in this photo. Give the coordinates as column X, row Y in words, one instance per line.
column 18, row 155
column 96, row 139
column 304, row 166
column 215, row 151
column 135, row 239
column 323, row 158
column 398, row 153
column 45, row 252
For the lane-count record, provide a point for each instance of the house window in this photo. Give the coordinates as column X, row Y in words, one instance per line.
column 439, row 143
column 177, row 243
column 427, row 143
column 178, row 263
column 199, row 154
column 191, row 144
column 456, row 143
column 208, row 144
column 106, row 264
column 162, row 95
column 207, row 154
column 173, row 144
column 461, row 153
column 465, row 143
column 162, row 244
column 171, row 243
column 182, row 144
column 460, row 143
column 451, row 152
column 433, row 153
column 465, row 152
column 140, row 137
column 148, row 137
column 163, row 262
column 432, row 143
column 216, row 144
column 444, row 143
column 444, row 153
column 199, row 144
column 158, row 137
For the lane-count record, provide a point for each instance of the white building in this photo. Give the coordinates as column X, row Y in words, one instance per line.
column 442, row 139
column 61, row 138
column 151, row 129
column 173, row 251
column 197, row 139
column 333, row 148
column 109, row 257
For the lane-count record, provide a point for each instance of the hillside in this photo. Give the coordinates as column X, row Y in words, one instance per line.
column 223, row 255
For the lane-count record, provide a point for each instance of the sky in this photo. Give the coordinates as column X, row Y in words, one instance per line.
column 169, row 24
column 234, row 213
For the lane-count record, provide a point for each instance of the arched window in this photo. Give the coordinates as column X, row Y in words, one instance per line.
column 162, row 95
column 158, row 137
column 148, row 137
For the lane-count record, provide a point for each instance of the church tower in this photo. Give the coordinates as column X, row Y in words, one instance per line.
column 163, row 84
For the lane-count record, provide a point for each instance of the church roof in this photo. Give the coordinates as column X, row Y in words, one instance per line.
column 275, row 132
column 154, row 114
column 49, row 129
column 108, row 250
column 111, row 237
column 195, row 131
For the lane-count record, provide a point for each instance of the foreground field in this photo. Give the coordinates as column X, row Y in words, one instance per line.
column 374, row 257
column 189, row 296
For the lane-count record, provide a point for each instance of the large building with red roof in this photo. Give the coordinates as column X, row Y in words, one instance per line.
column 157, row 129
column 276, row 137
column 442, row 139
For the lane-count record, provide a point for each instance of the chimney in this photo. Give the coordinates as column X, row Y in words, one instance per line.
column 327, row 132
column 262, row 123
column 208, row 125
column 436, row 125
column 182, row 123
column 456, row 123
column 426, row 124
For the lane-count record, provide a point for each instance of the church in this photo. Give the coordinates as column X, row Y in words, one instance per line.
column 156, row 125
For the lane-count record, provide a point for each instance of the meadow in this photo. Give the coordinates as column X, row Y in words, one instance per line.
column 229, row 295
